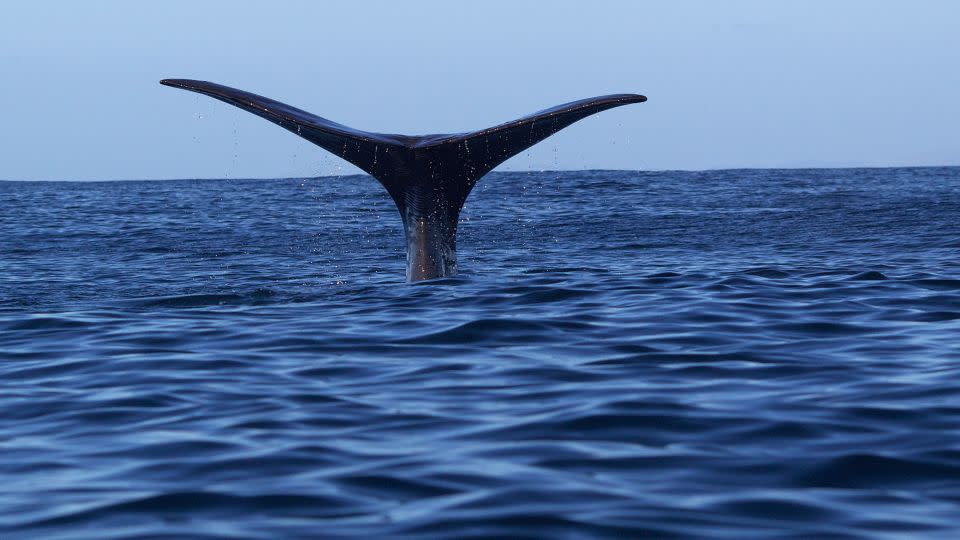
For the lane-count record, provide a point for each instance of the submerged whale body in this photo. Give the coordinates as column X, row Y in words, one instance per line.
column 429, row 176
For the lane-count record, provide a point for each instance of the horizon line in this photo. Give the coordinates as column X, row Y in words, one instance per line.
column 361, row 173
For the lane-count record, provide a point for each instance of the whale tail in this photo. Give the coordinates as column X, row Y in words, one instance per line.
column 429, row 177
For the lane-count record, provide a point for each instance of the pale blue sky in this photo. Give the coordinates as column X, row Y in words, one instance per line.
column 751, row 83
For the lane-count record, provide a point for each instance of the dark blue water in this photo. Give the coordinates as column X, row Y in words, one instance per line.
column 729, row 354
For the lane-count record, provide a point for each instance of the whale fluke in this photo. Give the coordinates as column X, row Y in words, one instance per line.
column 428, row 176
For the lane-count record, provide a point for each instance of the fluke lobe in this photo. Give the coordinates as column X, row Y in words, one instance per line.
column 428, row 176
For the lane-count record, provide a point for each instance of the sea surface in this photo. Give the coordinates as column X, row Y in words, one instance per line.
column 725, row 354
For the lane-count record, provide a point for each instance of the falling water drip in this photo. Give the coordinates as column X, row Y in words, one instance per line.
column 236, row 144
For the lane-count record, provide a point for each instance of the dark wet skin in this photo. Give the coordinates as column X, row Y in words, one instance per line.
column 428, row 176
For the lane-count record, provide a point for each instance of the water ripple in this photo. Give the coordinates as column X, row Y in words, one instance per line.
column 725, row 354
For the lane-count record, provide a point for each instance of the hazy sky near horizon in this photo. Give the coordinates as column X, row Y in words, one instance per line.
column 739, row 83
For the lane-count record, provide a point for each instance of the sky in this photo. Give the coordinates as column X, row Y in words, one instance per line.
column 732, row 84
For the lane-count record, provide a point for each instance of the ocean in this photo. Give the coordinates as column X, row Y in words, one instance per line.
column 625, row 354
